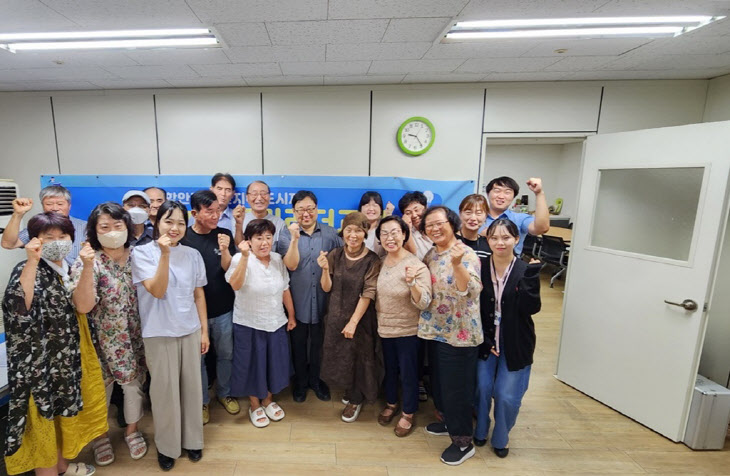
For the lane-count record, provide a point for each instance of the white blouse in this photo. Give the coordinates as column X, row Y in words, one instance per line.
column 175, row 315
column 259, row 303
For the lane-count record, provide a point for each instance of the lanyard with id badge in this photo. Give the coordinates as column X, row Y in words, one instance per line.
column 498, row 290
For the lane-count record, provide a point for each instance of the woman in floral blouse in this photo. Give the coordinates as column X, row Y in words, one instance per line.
column 453, row 325
column 53, row 370
column 101, row 280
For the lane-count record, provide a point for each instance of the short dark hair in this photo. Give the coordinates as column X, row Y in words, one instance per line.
column 43, row 222
column 505, row 222
column 258, row 226
column 403, row 226
column 165, row 211
column 371, row 195
column 451, row 216
column 114, row 210
column 202, row 198
column 221, row 176
column 508, row 182
column 258, row 181
column 301, row 195
column 411, row 197
column 164, row 192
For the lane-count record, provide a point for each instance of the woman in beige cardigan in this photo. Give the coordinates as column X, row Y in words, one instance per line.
column 404, row 289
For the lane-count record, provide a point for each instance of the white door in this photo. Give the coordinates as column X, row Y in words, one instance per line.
column 650, row 215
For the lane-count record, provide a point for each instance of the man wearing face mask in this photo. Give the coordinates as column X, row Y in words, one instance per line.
column 54, row 198
column 137, row 204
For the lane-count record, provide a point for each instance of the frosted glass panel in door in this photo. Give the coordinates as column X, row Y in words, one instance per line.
column 647, row 211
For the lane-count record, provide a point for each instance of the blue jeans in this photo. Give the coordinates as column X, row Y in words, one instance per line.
column 220, row 332
column 400, row 355
column 507, row 388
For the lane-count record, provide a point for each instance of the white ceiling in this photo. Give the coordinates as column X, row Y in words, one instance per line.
column 324, row 42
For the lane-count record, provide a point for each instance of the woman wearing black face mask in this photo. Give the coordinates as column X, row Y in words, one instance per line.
column 101, row 280
column 53, row 370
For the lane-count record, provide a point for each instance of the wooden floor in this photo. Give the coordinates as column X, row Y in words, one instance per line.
column 559, row 431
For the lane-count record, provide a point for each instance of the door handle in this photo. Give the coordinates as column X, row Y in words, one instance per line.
column 687, row 304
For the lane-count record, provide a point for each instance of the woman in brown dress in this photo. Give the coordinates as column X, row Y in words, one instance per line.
column 351, row 356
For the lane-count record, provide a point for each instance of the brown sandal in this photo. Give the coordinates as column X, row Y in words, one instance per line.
column 401, row 431
column 385, row 418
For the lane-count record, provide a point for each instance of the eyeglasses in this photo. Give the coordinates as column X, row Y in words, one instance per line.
column 437, row 224
column 394, row 234
column 302, row 211
column 259, row 194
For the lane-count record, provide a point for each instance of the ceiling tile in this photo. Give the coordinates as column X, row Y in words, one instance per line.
column 30, row 16
column 629, row 75
column 285, row 81
column 502, row 9
column 181, row 56
column 492, row 49
column 669, row 62
column 688, row 45
column 592, row 47
column 394, row 8
column 228, row 81
column 505, row 65
column 414, row 66
column 376, row 51
column 153, row 72
column 131, row 83
column 442, row 78
column 51, row 59
column 57, row 86
column 264, row 54
column 534, row 76
column 238, row 69
column 653, row 7
column 242, row 34
column 216, row 11
column 126, row 14
column 580, row 63
column 415, row 29
column 324, row 32
column 329, row 68
column 60, row 73
column 374, row 79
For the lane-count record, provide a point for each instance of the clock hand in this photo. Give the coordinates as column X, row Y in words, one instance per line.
column 413, row 135
column 419, row 140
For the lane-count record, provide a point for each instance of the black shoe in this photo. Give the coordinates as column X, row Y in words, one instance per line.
column 501, row 452
column 437, row 428
column 479, row 442
column 120, row 417
column 453, row 455
column 299, row 394
column 195, row 455
column 322, row 391
column 166, row 463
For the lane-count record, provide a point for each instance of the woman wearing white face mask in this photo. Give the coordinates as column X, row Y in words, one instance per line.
column 101, row 280
column 52, row 366
column 137, row 204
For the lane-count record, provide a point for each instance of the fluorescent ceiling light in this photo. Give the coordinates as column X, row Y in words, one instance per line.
column 648, row 27
column 179, row 37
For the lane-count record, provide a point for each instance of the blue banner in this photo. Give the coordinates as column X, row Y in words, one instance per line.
column 336, row 195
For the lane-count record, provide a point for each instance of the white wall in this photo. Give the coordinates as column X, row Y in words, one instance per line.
column 633, row 105
column 718, row 100
column 456, row 115
column 558, row 165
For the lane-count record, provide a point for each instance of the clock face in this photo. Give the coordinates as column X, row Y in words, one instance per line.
column 416, row 135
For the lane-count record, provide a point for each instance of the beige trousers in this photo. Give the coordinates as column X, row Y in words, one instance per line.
column 177, row 403
column 133, row 400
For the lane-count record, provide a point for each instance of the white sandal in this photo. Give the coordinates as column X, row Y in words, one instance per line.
column 79, row 469
column 272, row 409
column 136, row 444
column 255, row 415
column 103, row 452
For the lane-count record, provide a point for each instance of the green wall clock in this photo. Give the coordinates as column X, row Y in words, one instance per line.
column 416, row 135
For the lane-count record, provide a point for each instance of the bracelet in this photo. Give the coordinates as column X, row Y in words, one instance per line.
column 411, row 284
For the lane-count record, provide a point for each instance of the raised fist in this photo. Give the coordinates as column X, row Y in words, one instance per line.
column 21, row 206
column 322, row 261
column 294, row 231
column 238, row 214
column 245, row 248
column 223, row 241
column 164, row 243
column 33, row 249
column 535, row 185
column 389, row 207
column 87, row 254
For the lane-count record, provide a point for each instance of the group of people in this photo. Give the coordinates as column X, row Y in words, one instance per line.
column 131, row 301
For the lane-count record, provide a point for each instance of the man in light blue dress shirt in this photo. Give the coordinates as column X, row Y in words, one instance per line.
column 54, row 198
column 502, row 191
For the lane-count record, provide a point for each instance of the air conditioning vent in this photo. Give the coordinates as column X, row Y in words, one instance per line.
column 8, row 193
